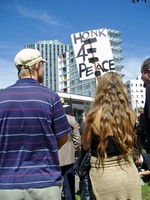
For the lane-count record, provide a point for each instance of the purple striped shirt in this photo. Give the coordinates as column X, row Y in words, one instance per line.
column 31, row 118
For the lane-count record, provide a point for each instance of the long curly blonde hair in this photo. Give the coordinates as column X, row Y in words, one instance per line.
column 111, row 98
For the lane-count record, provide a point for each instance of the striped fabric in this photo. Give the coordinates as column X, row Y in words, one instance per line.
column 31, row 118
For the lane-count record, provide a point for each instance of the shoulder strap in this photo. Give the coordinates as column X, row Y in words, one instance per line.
column 96, row 127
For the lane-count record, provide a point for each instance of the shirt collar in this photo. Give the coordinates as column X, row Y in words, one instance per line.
column 141, row 157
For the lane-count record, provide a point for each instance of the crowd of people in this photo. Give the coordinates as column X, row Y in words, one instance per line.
column 42, row 147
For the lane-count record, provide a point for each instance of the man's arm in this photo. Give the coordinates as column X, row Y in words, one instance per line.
column 75, row 134
column 145, row 173
column 62, row 140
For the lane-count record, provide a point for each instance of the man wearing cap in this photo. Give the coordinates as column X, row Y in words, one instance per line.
column 33, row 126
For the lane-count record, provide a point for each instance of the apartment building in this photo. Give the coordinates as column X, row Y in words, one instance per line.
column 136, row 94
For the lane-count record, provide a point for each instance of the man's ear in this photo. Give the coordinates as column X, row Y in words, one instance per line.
column 148, row 73
column 37, row 66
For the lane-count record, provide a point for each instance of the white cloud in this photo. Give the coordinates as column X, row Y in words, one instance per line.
column 133, row 59
column 8, row 74
column 132, row 67
column 38, row 15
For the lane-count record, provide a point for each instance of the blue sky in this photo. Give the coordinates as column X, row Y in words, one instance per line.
column 28, row 21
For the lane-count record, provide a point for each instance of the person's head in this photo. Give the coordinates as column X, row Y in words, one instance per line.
column 145, row 71
column 29, row 63
column 110, row 90
column 137, row 160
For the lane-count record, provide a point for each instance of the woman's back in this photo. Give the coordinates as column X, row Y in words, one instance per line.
column 115, row 175
column 109, row 132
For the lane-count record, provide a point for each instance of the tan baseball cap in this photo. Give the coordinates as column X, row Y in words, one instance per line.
column 63, row 103
column 28, row 57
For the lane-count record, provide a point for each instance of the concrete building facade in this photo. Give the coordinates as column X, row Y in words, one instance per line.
column 136, row 94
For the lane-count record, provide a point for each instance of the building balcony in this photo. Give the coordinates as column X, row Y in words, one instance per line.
column 115, row 40
column 119, row 66
column 117, row 57
column 116, row 48
column 113, row 32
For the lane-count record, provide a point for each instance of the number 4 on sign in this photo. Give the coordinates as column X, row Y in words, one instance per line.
column 82, row 53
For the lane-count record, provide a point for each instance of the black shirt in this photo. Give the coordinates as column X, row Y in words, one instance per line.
column 111, row 149
column 147, row 113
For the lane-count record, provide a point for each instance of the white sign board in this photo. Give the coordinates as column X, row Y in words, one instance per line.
column 93, row 53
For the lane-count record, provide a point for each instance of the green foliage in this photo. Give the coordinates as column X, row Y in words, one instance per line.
column 145, row 192
column 78, row 195
column 140, row 109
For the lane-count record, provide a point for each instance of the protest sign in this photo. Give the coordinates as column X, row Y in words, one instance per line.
column 93, row 53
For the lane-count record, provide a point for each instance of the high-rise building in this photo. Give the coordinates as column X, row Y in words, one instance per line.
column 50, row 50
column 68, row 73
column 136, row 93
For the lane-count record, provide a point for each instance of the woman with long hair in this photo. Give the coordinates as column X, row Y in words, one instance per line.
column 109, row 132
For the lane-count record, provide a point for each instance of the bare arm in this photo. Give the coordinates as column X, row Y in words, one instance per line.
column 62, row 140
column 89, row 129
column 87, row 141
column 145, row 173
column 87, row 135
